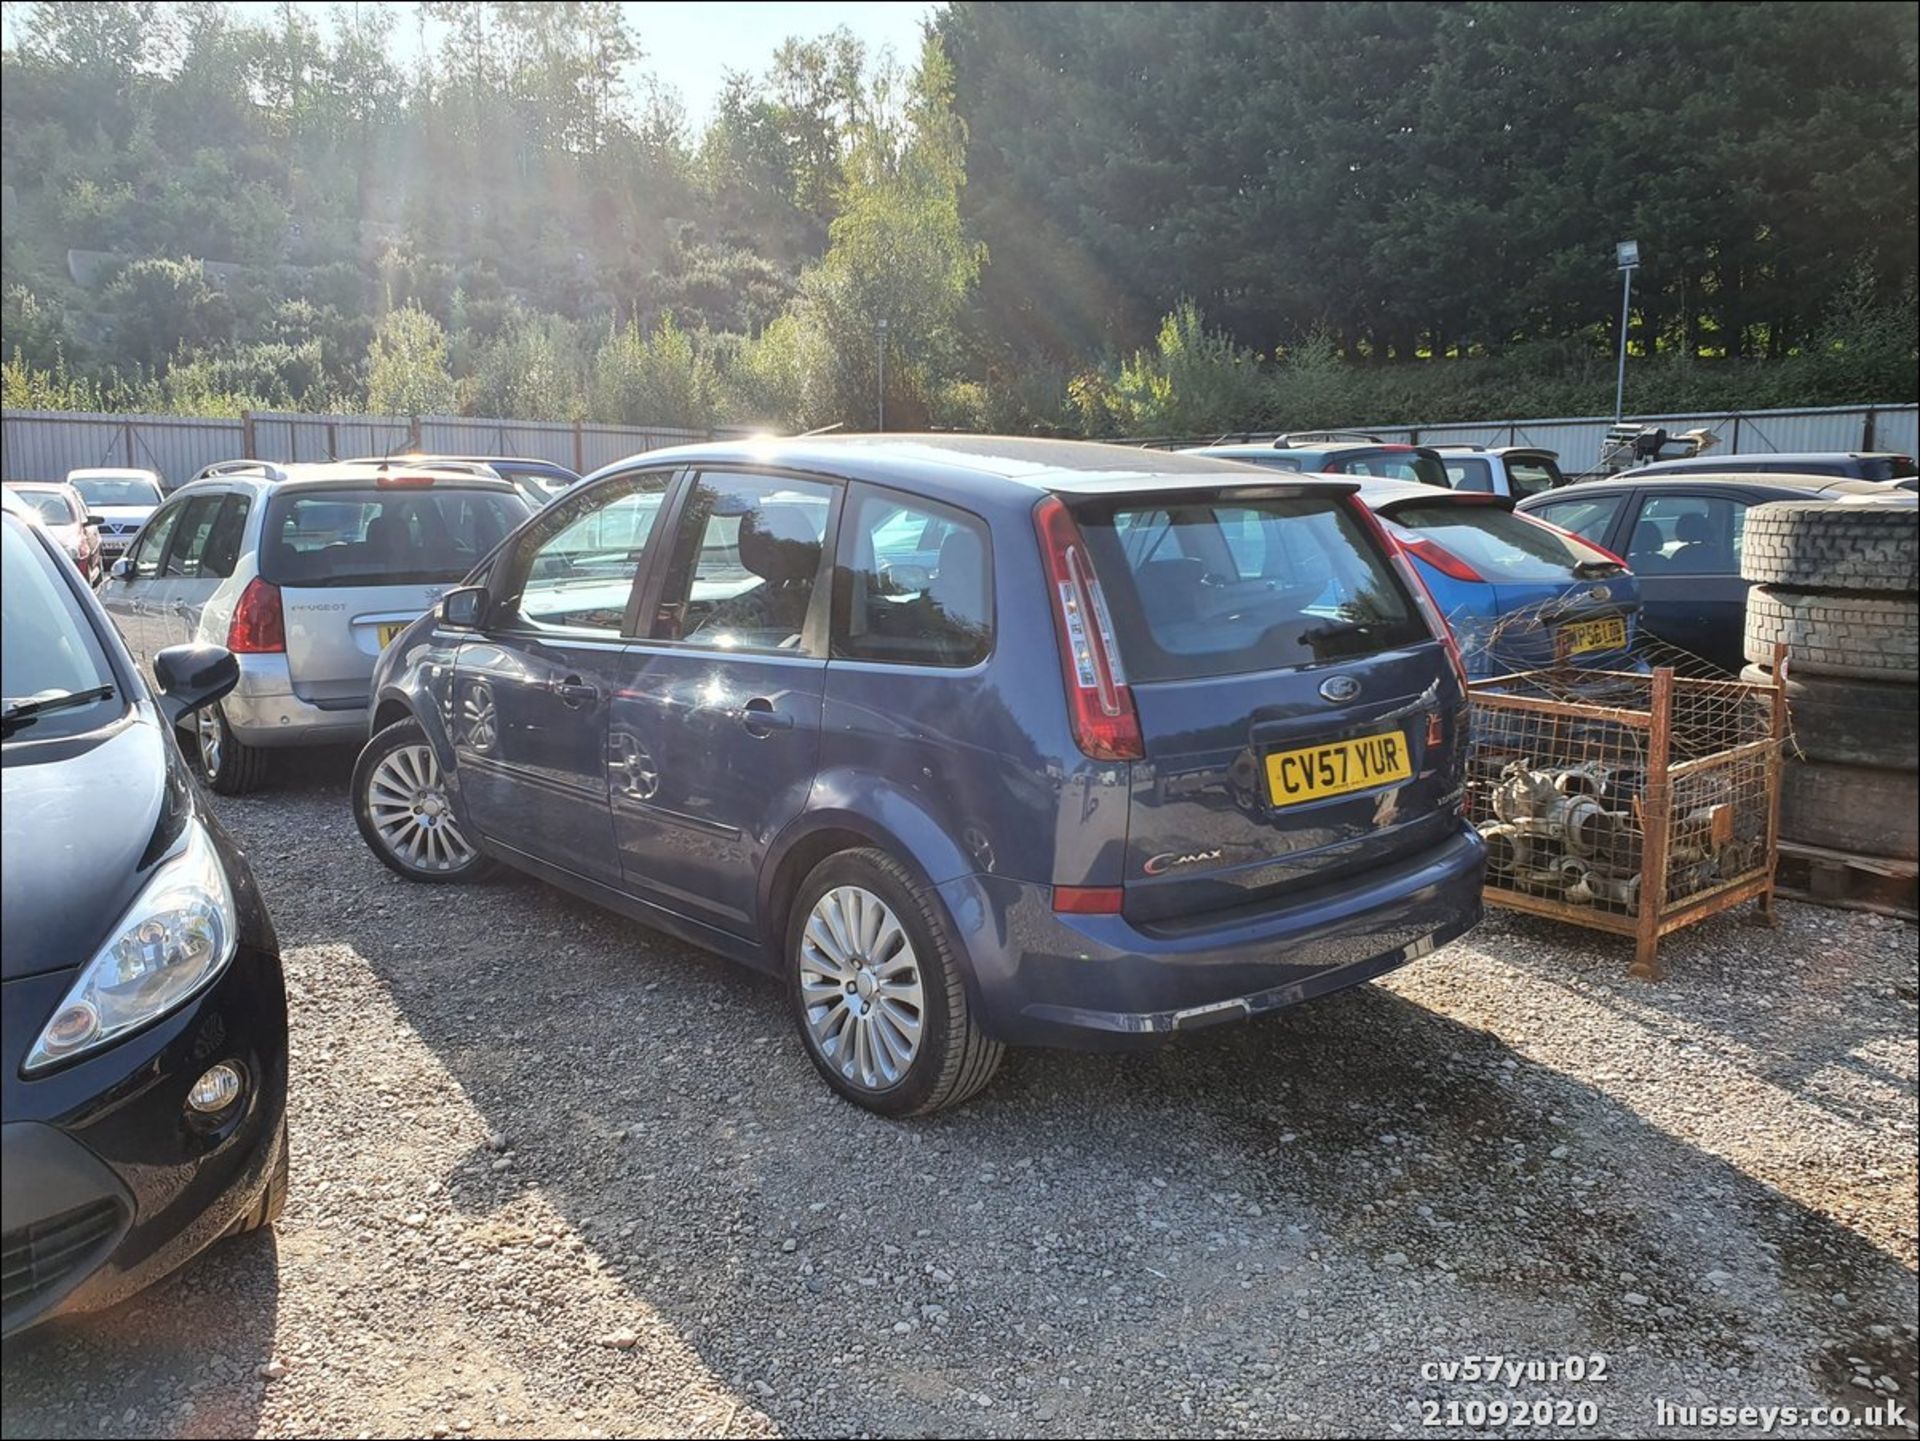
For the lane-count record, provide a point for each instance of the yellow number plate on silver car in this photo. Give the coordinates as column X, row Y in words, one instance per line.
column 1313, row 772
column 389, row 630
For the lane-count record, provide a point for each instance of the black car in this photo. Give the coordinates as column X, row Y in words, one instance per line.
column 1681, row 535
column 1839, row 464
column 143, row 1099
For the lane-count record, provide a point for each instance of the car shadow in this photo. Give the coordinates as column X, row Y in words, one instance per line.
column 1344, row 1179
column 191, row 1347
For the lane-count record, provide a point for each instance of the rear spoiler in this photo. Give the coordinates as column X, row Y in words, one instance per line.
column 1457, row 497
column 1285, row 486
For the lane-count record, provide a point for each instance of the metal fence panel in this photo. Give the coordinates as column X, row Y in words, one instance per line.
column 45, row 445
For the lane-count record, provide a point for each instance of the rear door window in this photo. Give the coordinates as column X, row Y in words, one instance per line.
column 1206, row 588
column 1590, row 518
column 357, row 535
column 223, row 543
column 914, row 585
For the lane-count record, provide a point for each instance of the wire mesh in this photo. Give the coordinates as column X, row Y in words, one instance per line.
column 1601, row 791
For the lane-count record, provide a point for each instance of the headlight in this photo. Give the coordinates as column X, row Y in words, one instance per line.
column 178, row 934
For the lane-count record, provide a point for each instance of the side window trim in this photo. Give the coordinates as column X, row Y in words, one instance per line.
column 842, row 553
column 815, row 630
column 548, row 523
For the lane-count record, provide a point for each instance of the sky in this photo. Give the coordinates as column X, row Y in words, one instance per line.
column 689, row 47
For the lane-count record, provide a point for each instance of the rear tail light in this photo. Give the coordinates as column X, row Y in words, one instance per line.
column 257, row 627
column 1422, row 597
column 1105, row 724
column 1440, row 558
column 1087, row 900
column 402, row 482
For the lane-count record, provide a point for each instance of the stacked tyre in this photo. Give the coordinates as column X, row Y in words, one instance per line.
column 1835, row 584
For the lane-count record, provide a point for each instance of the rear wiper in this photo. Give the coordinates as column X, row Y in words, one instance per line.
column 25, row 712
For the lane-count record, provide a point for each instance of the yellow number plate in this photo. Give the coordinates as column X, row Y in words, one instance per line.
column 1313, row 772
column 389, row 630
column 1585, row 635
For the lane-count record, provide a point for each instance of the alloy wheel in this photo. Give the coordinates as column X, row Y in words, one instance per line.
column 860, row 986
column 206, row 727
column 408, row 803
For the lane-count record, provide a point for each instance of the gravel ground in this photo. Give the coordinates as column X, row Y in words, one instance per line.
column 556, row 1175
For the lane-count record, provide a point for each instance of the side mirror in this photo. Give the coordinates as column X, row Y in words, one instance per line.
column 464, row 607
column 122, row 568
column 192, row 676
column 95, row 520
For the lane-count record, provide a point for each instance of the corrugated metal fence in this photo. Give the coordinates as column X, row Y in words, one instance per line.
column 1578, row 440
column 46, row 444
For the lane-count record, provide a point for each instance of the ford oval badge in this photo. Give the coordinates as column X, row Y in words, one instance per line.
column 1339, row 688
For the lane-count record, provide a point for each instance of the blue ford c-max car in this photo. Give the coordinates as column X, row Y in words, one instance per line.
column 972, row 741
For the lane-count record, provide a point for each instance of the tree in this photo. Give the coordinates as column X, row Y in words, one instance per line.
column 159, row 308
column 657, row 379
column 407, row 366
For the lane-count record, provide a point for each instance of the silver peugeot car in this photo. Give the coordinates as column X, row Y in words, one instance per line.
column 304, row 572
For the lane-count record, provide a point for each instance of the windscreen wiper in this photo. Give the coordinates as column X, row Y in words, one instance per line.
column 27, row 711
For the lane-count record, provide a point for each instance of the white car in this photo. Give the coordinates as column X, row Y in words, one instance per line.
column 304, row 572
column 64, row 514
column 123, row 499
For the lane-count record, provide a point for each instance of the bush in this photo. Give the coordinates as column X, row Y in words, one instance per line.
column 658, row 379
column 407, row 366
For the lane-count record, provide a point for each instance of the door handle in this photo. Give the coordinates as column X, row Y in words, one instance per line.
column 761, row 719
column 573, row 691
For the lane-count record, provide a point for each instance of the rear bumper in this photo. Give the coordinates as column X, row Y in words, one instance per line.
column 1103, row 982
column 264, row 711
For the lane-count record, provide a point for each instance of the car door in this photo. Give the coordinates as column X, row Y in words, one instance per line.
column 715, row 725
column 128, row 598
column 184, row 585
column 1685, row 548
column 531, row 693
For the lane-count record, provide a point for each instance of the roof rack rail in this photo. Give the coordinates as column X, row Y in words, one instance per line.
column 477, row 468
column 241, row 467
column 1326, row 437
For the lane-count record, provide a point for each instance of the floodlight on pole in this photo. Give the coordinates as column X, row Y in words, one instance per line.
column 1626, row 256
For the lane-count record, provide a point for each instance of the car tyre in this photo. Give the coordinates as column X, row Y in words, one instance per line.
column 228, row 765
column 868, row 951
column 273, row 1196
column 400, row 802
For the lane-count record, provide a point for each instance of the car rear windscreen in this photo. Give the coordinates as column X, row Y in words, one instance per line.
column 1495, row 541
column 1214, row 588
column 367, row 536
column 1888, row 467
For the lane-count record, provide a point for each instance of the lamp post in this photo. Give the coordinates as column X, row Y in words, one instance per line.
column 1626, row 255
column 880, row 342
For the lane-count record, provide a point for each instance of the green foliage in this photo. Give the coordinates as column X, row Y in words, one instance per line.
column 25, row 386
column 1193, row 381
column 657, row 379
column 529, row 371
column 407, row 368
column 161, row 307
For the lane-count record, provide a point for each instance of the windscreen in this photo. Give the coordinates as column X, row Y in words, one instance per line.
column 48, row 649
column 1209, row 588
column 1531, row 476
column 358, row 535
column 1495, row 541
column 1888, row 467
column 116, row 490
column 1414, row 465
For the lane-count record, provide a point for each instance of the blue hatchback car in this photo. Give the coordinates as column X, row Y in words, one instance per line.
column 970, row 741
column 1518, row 593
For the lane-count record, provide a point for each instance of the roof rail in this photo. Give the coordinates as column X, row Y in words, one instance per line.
column 241, row 467
column 477, row 468
column 1326, row 437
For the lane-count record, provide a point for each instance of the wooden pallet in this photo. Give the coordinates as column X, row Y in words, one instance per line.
column 1855, row 883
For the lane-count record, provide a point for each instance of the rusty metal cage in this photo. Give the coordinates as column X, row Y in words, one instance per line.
column 1628, row 802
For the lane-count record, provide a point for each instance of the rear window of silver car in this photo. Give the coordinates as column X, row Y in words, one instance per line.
column 1217, row 588
column 380, row 536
